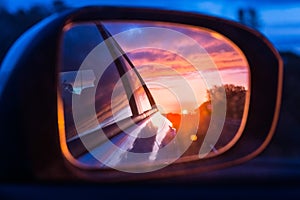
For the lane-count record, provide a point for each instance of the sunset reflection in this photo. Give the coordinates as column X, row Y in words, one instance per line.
column 159, row 91
column 169, row 75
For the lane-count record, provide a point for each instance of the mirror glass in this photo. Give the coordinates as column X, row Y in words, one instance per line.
column 142, row 94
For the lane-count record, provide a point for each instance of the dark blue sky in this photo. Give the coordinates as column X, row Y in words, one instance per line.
column 279, row 19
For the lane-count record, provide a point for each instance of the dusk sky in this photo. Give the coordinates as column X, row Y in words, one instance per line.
column 279, row 19
column 171, row 69
column 178, row 67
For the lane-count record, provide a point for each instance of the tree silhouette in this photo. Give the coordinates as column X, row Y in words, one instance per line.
column 13, row 25
column 235, row 99
column 248, row 17
column 59, row 6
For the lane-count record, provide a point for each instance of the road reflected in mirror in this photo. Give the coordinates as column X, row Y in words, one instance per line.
column 142, row 95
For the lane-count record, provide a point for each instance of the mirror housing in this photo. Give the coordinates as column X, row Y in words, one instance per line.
column 29, row 78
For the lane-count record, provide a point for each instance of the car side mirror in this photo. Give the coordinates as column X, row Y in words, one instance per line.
column 98, row 92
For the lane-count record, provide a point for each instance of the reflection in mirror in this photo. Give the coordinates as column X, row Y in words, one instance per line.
column 150, row 88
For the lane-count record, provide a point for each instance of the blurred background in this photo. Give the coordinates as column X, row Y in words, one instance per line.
column 278, row 20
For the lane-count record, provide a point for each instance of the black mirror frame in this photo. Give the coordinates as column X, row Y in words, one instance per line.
column 28, row 96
